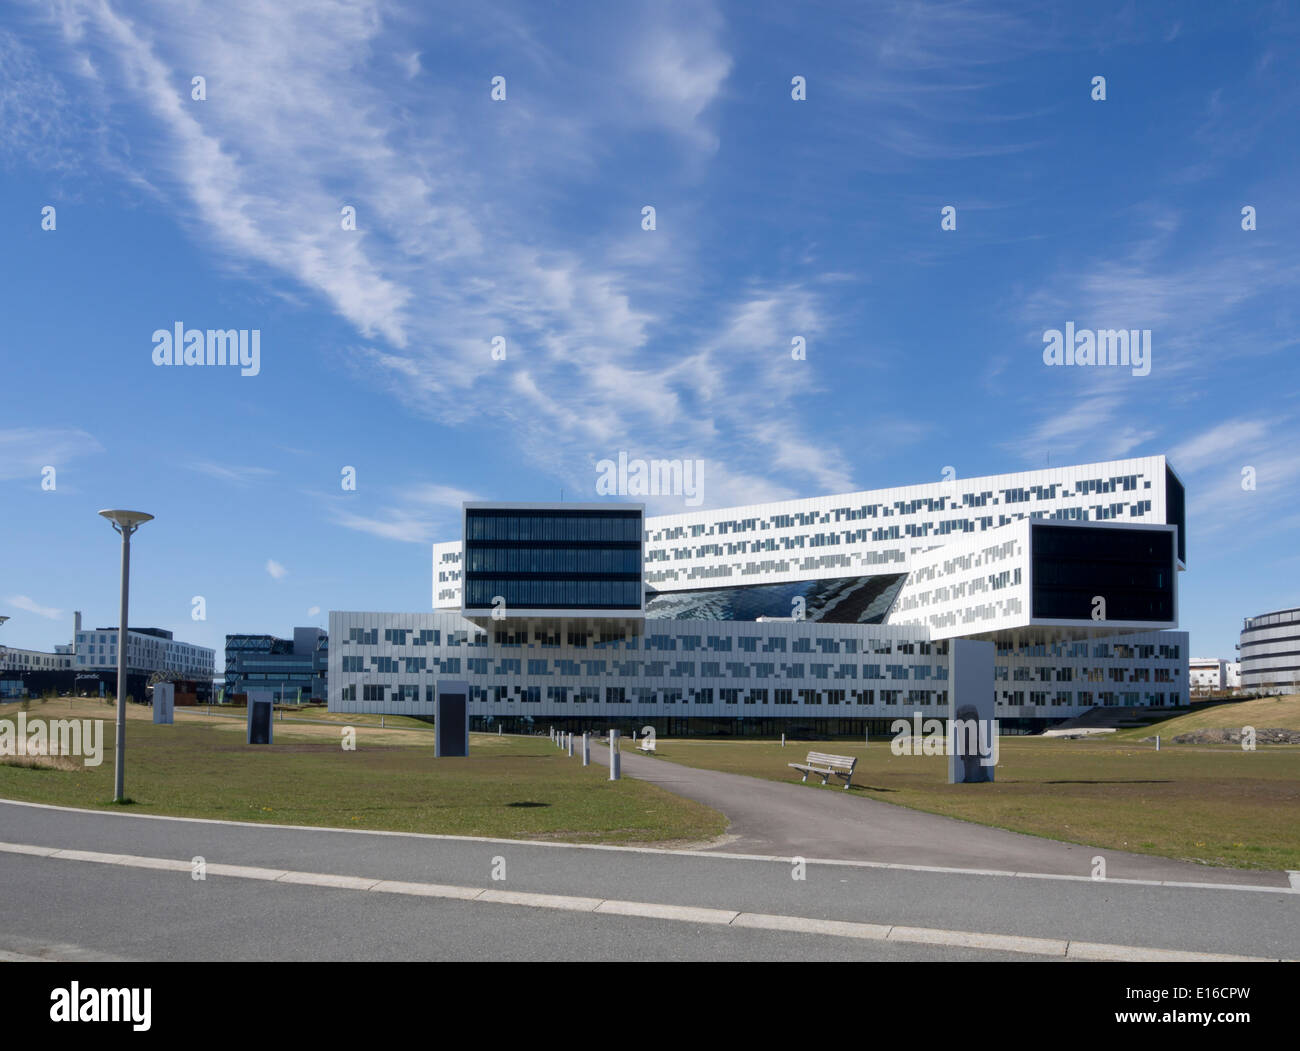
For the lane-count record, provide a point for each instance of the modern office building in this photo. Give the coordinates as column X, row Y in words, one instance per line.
column 1270, row 652
column 148, row 652
column 34, row 660
column 280, row 670
column 830, row 614
column 24, row 672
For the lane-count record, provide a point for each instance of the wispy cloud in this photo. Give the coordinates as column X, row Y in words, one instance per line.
column 275, row 569
column 595, row 355
column 25, row 450
column 412, row 514
column 236, row 474
column 25, row 603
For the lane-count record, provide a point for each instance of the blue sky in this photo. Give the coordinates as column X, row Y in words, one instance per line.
column 522, row 218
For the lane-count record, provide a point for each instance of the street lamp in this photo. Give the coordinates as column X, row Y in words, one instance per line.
column 126, row 523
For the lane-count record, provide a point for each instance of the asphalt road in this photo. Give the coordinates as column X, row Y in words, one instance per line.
column 768, row 817
column 54, row 905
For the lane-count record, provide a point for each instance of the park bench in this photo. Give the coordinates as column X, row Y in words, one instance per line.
column 828, row 765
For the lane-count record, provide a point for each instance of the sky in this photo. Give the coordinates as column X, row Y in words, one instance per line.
column 498, row 318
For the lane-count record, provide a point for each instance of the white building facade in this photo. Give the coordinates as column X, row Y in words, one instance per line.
column 149, row 650
column 829, row 614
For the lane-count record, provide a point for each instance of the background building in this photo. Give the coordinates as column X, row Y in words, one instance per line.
column 152, row 653
column 282, row 670
column 34, row 671
column 830, row 614
column 1270, row 652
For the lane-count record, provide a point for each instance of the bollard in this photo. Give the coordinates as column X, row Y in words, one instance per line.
column 1157, row 742
column 570, row 744
column 782, row 738
column 586, row 748
column 498, row 730
column 615, row 766
column 381, row 722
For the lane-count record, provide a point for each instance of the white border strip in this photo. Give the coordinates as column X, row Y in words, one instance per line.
column 1294, row 888
column 1053, row 947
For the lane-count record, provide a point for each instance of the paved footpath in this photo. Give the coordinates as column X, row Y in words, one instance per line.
column 771, row 818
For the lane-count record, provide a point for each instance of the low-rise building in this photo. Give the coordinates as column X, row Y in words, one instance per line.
column 281, row 670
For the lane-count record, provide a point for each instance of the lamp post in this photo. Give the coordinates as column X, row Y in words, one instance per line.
column 125, row 523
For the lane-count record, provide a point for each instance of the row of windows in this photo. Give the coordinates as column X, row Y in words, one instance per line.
column 881, row 534
column 554, row 594
column 553, row 526
column 757, row 697
column 930, row 505
column 547, row 638
column 553, row 560
column 704, row 695
column 651, row 669
column 1088, row 698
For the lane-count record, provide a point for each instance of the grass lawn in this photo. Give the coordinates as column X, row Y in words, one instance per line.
column 1213, row 804
column 513, row 787
column 1263, row 713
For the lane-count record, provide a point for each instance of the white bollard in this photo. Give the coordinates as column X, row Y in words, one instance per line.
column 1157, row 742
column 586, row 748
column 498, row 729
column 615, row 767
column 782, row 738
column 570, row 744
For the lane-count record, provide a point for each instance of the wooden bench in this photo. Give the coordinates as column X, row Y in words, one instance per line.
column 828, row 766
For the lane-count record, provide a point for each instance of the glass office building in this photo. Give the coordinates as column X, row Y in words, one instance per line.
column 525, row 560
column 825, row 615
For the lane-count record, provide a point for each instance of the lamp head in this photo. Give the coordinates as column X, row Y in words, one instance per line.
column 126, row 521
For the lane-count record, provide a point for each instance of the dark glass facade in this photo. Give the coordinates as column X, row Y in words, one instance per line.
column 1176, row 511
column 553, row 559
column 1132, row 569
column 840, row 600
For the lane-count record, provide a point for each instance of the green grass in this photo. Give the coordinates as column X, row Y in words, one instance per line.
column 1216, row 805
column 511, row 787
column 1262, row 713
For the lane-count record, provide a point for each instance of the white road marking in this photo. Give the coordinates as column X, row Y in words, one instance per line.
column 1053, row 947
column 1293, row 888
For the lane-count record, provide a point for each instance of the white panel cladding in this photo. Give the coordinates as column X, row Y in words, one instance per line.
column 686, row 657
column 1140, row 669
column 972, row 585
column 446, row 575
column 866, row 533
column 883, row 671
